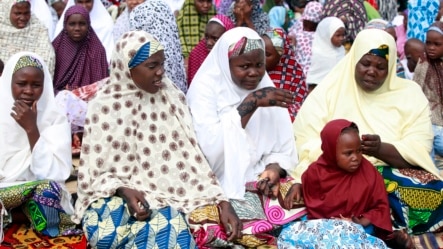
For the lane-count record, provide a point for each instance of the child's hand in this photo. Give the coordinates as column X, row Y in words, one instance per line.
column 294, row 194
column 345, row 218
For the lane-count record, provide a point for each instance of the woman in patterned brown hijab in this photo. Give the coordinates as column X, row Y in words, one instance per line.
column 141, row 168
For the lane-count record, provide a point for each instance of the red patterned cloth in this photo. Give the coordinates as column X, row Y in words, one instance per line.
column 288, row 74
column 200, row 52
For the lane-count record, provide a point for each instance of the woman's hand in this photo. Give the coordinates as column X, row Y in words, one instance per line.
column 230, row 221
column 371, row 144
column 294, row 194
column 25, row 115
column 137, row 205
column 271, row 96
column 269, row 182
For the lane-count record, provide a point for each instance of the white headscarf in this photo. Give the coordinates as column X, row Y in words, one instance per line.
column 51, row 156
column 42, row 11
column 236, row 155
column 101, row 22
column 324, row 54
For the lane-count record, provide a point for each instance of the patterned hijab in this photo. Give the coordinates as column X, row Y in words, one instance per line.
column 328, row 191
column 155, row 17
column 258, row 16
column 303, row 50
column 34, row 37
column 191, row 25
column 142, row 141
column 353, row 10
column 78, row 63
column 288, row 74
column 200, row 52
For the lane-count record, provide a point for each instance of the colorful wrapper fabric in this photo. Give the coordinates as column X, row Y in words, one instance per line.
column 41, row 203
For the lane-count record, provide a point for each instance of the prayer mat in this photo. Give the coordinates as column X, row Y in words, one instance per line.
column 20, row 236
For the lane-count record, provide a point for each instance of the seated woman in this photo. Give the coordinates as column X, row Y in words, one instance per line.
column 155, row 17
column 327, row 49
column 341, row 184
column 393, row 116
column 35, row 158
column 141, row 169
column 248, row 13
column 23, row 32
column 242, row 126
column 215, row 28
column 283, row 69
column 80, row 56
column 101, row 22
column 191, row 22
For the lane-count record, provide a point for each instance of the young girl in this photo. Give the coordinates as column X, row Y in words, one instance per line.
column 429, row 75
column 35, row 158
column 341, row 189
column 327, row 49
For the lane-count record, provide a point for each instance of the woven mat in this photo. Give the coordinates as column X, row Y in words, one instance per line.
column 22, row 237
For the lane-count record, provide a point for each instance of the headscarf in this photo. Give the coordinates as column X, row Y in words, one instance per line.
column 429, row 75
column 398, row 111
column 421, row 14
column 155, row 17
column 43, row 12
column 236, row 155
column 288, row 74
column 50, row 157
column 78, row 63
column 191, row 25
column 101, row 23
column 303, row 50
column 387, row 9
column 143, row 141
column 34, row 37
column 259, row 18
column 352, row 10
column 200, row 52
column 121, row 25
column 277, row 17
column 330, row 192
column 324, row 54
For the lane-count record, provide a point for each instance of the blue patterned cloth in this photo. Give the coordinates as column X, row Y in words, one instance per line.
column 421, row 15
column 327, row 233
column 108, row 224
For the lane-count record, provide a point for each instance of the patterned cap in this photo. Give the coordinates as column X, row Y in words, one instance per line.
column 382, row 51
column 244, row 45
column 27, row 61
column 145, row 51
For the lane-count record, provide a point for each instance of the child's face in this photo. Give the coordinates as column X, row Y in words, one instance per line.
column 339, row 37
column 348, row 151
column 434, row 44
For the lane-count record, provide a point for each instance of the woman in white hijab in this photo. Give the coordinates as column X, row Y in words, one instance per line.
column 42, row 11
column 244, row 129
column 327, row 49
column 101, row 22
column 35, row 155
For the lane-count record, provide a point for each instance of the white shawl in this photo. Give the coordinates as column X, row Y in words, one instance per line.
column 50, row 158
column 236, row 155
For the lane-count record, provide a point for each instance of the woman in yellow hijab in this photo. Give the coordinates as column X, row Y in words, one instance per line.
column 394, row 117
